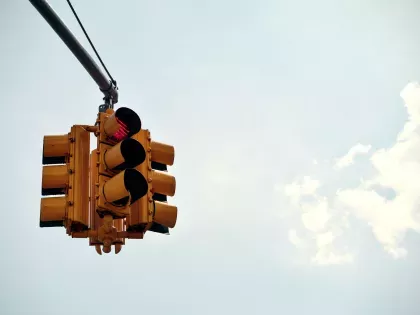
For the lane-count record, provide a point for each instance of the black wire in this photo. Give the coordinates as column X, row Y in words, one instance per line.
column 91, row 44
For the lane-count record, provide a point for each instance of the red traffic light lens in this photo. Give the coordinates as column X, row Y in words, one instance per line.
column 122, row 124
column 122, row 132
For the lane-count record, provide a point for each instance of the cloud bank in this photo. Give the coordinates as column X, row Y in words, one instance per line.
column 388, row 201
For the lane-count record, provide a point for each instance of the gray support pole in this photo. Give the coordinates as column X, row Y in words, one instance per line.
column 105, row 85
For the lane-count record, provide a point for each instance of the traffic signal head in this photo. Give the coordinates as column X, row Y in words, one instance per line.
column 65, row 176
column 119, row 183
column 164, row 185
column 117, row 191
column 152, row 212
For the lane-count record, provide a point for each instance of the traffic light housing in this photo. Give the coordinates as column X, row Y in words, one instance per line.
column 119, row 184
column 65, row 177
column 165, row 214
column 152, row 212
column 118, row 190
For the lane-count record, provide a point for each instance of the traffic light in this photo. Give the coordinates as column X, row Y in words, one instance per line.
column 95, row 220
column 118, row 183
column 65, row 176
column 165, row 214
column 115, row 192
column 152, row 212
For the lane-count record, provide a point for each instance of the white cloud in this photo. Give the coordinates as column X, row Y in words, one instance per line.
column 411, row 97
column 295, row 239
column 316, row 217
column 296, row 190
column 325, row 239
column 389, row 219
column 396, row 168
column 348, row 159
column 327, row 257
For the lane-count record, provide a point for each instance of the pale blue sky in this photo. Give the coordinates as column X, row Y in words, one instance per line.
column 250, row 93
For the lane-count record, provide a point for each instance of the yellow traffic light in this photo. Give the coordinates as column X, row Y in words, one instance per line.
column 151, row 212
column 66, row 173
column 165, row 215
column 117, row 191
column 118, row 182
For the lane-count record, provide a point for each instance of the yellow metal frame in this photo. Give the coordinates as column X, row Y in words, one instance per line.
column 77, row 215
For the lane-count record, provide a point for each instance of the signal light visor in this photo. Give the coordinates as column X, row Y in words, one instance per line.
column 55, row 150
column 127, row 154
column 53, row 211
column 129, row 185
column 122, row 124
column 165, row 214
column 54, row 179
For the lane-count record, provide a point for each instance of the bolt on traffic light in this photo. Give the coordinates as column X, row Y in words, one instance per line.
column 65, row 176
column 152, row 212
column 119, row 184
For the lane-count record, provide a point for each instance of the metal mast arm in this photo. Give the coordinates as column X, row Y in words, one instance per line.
column 105, row 85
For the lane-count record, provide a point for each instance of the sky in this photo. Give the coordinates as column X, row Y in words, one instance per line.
column 296, row 127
